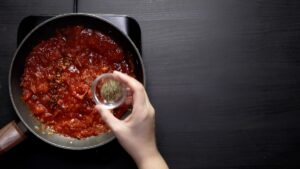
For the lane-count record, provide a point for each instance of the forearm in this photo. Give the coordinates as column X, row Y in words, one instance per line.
column 153, row 160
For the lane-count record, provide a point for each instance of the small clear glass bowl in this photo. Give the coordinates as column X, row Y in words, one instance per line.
column 96, row 91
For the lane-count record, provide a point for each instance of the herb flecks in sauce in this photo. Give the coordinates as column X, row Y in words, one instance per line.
column 58, row 75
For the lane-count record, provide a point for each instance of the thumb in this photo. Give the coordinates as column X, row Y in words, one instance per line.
column 108, row 117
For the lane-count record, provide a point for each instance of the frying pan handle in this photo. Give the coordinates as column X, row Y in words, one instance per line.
column 10, row 136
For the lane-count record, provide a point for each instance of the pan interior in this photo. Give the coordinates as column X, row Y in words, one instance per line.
column 45, row 31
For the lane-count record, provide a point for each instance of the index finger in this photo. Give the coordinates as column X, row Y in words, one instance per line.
column 139, row 94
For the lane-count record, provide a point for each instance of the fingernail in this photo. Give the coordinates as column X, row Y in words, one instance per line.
column 99, row 107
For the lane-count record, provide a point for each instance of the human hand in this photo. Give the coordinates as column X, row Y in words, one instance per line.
column 137, row 132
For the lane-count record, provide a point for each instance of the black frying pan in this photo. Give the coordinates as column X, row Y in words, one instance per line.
column 44, row 31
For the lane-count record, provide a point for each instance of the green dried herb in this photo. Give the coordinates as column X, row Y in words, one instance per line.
column 111, row 91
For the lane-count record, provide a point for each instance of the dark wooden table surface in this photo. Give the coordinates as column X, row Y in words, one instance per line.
column 224, row 77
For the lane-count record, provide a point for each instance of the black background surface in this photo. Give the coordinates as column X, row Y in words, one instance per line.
column 222, row 75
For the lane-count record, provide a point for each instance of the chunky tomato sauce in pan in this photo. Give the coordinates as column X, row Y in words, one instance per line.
column 58, row 75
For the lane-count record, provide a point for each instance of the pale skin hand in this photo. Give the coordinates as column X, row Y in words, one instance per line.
column 137, row 132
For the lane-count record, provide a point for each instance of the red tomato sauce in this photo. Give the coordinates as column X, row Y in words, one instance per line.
column 58, row 75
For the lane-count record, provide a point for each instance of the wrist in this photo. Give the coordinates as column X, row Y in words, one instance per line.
column 144, row 152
